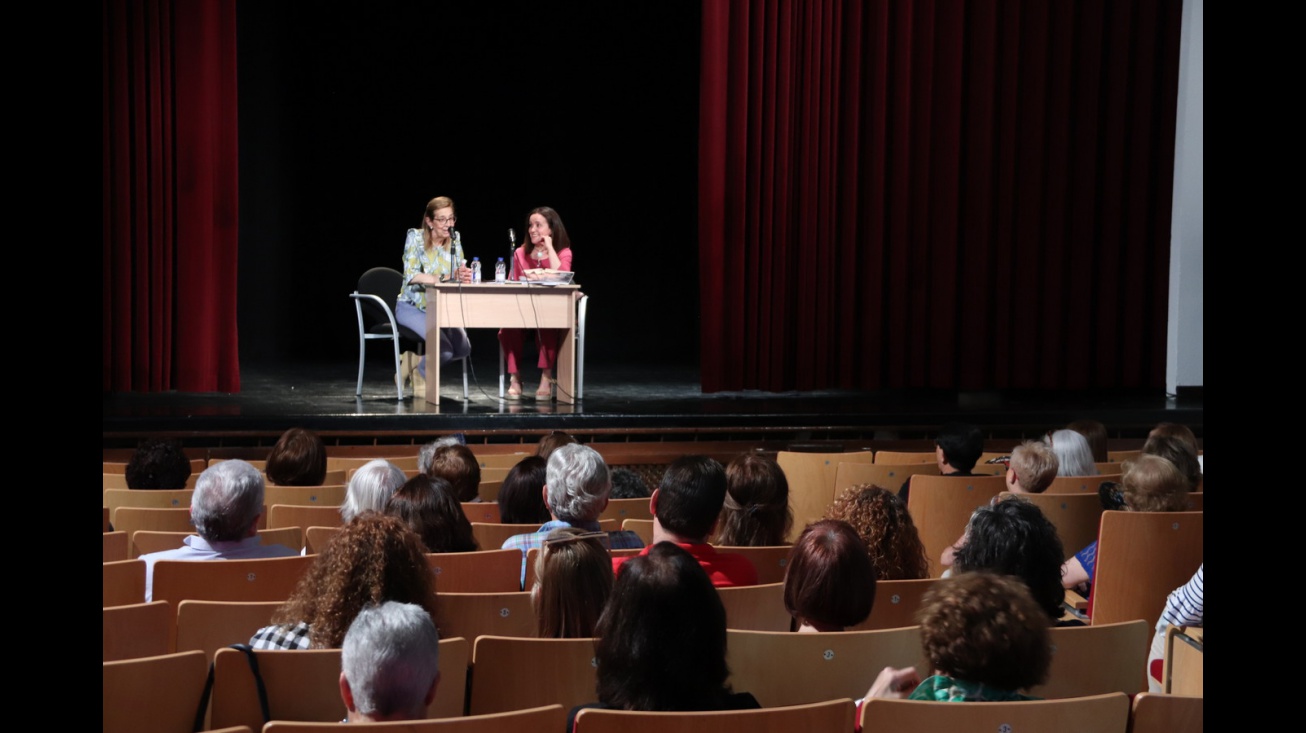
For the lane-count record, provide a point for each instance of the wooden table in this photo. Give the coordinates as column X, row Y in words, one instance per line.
column 503, row 305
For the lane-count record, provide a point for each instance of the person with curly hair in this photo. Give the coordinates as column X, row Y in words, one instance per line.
column 756, row 510
column 882, row 521
column 158, row 464
column 1013, row 537
column 829, row 581
column 427, row 506
column 373, row 559
column 986, row 639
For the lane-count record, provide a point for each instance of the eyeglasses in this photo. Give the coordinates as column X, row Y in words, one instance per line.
column 445, row 219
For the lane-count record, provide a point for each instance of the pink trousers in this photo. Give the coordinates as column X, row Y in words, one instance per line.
column 513, row 341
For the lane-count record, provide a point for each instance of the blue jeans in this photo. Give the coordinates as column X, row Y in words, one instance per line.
column 453, row 341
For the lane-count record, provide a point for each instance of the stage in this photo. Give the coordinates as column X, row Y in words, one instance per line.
column 634, row 402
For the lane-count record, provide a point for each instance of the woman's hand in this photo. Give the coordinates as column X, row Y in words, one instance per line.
column 464, row 274
column 894, row 684
column 422, row 278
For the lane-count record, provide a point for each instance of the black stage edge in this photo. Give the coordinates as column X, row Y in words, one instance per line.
column 621, row 402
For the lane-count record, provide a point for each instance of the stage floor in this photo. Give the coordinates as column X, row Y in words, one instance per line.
column 321, row 397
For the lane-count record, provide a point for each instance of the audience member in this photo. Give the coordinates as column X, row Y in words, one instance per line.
column 1178, row 452
column 662, row 639
column 829, row 581
column 370, row 487
column 1013, row 537
column 427, row 506
column 576, row 491
column 1175, row 430
column 552, row 442
column 1182, row 608
column 457, row 465
column 756, row 508
column 373, row 559
column 1147, row 484
column 158, row 464
column 881, row 520
column 1074, row 458
column 626, row 484
column 298, row 459
column 1096, row 435
column 984, row 636
column 427, row 452
column 521, row 497
column 1031, row 469
column 225, row 507
column 573, row 573
column 956, row 450
column 685, row 510
column 389, row 664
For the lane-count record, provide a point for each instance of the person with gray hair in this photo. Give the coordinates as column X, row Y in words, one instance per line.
column 370, row 487
column 389, row 664
column 427, row 451
column 576, row 490
column 225, row 509
column 1074, row 456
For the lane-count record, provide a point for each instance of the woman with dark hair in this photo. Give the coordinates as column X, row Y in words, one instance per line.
column 428, row 507
column 1179, row 452
column 521, row 497
column 881, row 519
column 158, row 464
column 457, row 465
column 553, row 441
column 662, row 639
column 756, row 510
column 829, row 583
column 573, row 574
column 986, row 639
column 548, row 247
column 298, row 459
column 432, row 254
column 1096, row 435
column 1012, row 537
column 371, row 560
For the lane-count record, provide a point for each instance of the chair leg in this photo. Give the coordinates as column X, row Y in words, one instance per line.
column 502, row 391
column 399, row 374
column 467, row 395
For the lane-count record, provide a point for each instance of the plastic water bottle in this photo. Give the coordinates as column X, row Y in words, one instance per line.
column 500, row 272
column 476, row 269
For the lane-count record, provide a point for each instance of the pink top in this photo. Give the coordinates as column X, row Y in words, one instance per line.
column 526, row 262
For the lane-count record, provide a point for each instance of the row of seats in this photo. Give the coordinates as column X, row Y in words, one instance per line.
column 496, row 675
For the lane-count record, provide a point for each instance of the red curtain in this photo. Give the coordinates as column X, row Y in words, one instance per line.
column 169, row 196
column 970, row 195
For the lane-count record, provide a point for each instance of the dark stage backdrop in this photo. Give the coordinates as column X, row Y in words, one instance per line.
column 909, row 193
column 351, row 121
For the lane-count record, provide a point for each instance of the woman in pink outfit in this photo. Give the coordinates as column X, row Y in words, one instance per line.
column 548, row 247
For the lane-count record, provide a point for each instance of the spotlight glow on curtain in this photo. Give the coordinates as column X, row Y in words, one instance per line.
column 970, row 195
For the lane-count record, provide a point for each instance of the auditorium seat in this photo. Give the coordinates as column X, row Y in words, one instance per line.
column 146, row 541
column 1141, row 558
column 811, row 482
column 171, row 683
column 756, row 607
column 1097, row 659
column 1159, row 713
column 272, row 579
column 783, row 668
column 291, row 515
column 514, row 673
column 482, row 571
column 138, row 630
column 117, row 546
column 1079, row 484
column 896, row 603
column 472, row 615
column 207, row 626
column 123, row 582
column 770, row 560
column 941, row 506
column 1096, row 714
column 830, row 716
column 1076, row 516
column 325, row 495
column 885, row 475
column 547, row 719
column 485, row 512
column 315, row 538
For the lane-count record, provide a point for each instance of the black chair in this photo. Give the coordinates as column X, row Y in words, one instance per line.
column 374, row 303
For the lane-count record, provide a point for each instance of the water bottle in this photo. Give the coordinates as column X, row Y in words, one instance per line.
column 476, row 269
column 500, row 272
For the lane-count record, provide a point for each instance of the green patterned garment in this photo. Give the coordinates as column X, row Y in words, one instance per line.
column 945, row 689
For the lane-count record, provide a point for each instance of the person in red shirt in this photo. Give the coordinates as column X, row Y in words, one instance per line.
column 685, row 509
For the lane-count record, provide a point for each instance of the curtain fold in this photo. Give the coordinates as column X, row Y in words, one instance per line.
column 970, row 195
column 169, row 199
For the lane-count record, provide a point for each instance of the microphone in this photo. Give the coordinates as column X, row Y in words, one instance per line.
column 453, row 239
column 512, row 253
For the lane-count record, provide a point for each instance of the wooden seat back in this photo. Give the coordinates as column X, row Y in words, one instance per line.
column 830, row 716
column 124, row 582
column 1097, row 659
column 1076, row 517
column 643, row 528
column 1096, row 714
column 1080, row 484
column 510, row 673
column 485, row 512
column 811, row 483
column 146, row 541
column 771, row 561
column 151, row 499
column 1160, row 713
column 129, row 519
column 483, row 571
column 885, row 475
column 272, row 579
column 1141, row 558
column 332, row 495
column 117, row 546
column 756, row 607
column 315, row 538
column 472, row 615
column 293, row 515
column 782, row 668
column 138, row 630
column 547, row 719
column 941, row 507
column 171, row 683
column 896, row 603
column 623, row 509
column 207, row 626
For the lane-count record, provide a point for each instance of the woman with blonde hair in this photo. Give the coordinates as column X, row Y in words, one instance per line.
column 433, row 254
column 573, row 573
column 373, row 559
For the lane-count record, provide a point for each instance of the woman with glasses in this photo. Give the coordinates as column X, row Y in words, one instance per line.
column 431, row 255
column 548, row 247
